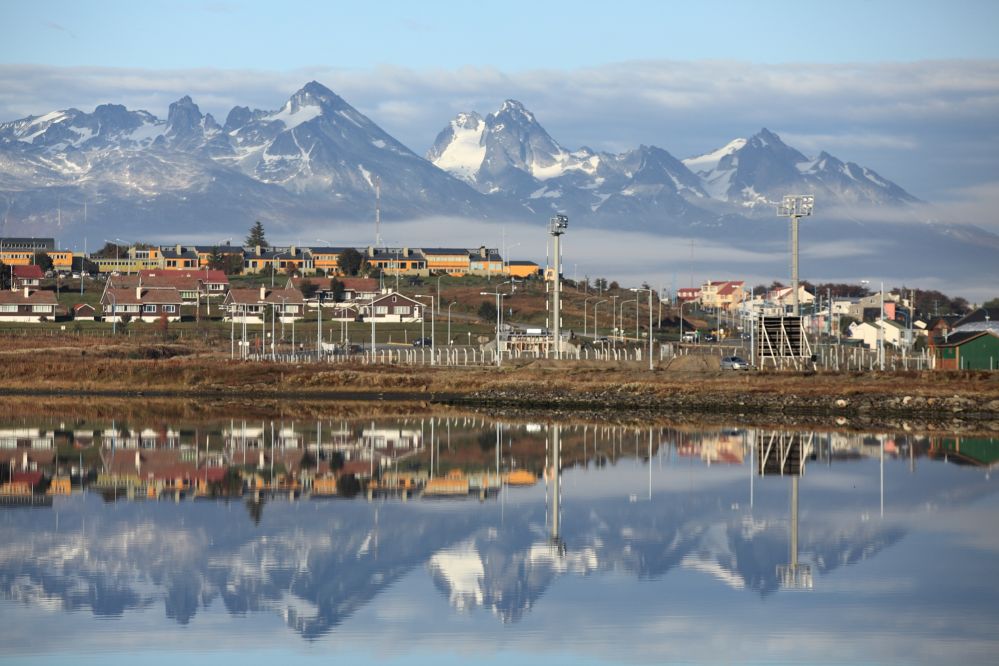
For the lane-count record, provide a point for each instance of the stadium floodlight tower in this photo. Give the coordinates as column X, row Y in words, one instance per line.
column 795, row 206
column 557, row 226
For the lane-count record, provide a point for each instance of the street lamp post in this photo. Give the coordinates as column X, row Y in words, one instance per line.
column 433, row 337
column 621, row 319
column 614, row 317
column 682, row 303
column 499, row 309
column 651, row 366
column 585, row 301
column 794, row 207
column 595, row 306
column 449, row 306
column 881, row 331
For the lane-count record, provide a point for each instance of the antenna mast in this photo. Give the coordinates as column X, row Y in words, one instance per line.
column 378, row 211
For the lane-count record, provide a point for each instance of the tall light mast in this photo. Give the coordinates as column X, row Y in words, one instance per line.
column 794, row 207
column 557, row 226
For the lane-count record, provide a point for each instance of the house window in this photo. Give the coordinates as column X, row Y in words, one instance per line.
column 169, row 308
column 148, row 309
column 41, row 308
column 8, row 308
column 401, row 309
column 381, row 309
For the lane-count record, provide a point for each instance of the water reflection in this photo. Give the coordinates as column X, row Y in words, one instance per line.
column 118, row 517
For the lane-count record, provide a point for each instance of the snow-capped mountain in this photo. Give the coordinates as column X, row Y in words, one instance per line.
column 508, row 152
column 314, row 158
column 758, row 171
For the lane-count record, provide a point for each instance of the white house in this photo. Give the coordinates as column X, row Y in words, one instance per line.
column 894, row 333
column 392, row 307
column 251, row 304
column 25, row 305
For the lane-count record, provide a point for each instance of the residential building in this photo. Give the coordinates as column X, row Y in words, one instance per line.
column 688, row 294
column 980, row 319
column 449, row 260
column 134, row 259
column 392, row 307
column 27, row 306
column 894, row 334
column 232, row 255
column 967, row 350
column 522, row 269
column 25, row 251
column 722, row 295
column 295, row 259
column 485, row 261
column 194, row 286
column 141, row 304
column 26, row 276
column 397, row 261
column 783, row 297
column 259, row 260
column 251, row 305
column 179, row 258
column 24, row 243
column 326, row 260
column 354, row 289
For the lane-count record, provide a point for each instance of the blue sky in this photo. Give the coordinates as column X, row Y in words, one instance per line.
column 909, row 89
column 507, row 35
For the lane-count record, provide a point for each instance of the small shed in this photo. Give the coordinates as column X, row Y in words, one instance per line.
column 967, row 350
column 84, row 312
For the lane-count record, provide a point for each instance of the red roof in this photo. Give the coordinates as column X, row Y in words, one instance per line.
column 33, row 298
column 360, row 284
column 31, row 272
column 203, row 274
column 30, row 478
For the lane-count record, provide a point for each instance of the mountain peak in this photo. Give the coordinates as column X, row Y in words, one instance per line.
column 314, row 93
column 512, row 108
column 765, row 138
column 184, row 116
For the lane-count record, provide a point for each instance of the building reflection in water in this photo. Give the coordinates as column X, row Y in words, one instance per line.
column 317, row 568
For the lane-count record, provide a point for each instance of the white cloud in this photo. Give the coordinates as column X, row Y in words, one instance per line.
column 930, row 125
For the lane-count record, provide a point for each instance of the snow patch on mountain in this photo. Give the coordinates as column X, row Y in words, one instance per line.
column 293, row 117
column 463, row 156
column 709, row 161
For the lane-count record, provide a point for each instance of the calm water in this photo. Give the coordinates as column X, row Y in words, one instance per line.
column 667, row 546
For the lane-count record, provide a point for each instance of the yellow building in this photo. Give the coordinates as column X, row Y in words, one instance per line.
column 133, row 261
column 452, row 261
column 522, row 269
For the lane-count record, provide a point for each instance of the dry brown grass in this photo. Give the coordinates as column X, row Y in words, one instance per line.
column 177, row 369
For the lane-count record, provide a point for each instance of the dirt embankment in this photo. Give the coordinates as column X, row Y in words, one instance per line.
column 685, row 385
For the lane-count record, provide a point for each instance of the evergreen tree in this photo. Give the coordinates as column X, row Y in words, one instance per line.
column 351, row 261
column 44, row 261
column 257, row 236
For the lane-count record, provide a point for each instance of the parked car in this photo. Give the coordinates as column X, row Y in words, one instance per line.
column 734, row 363
column 422, row 342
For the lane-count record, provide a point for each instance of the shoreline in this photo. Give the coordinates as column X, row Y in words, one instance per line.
column 624, row 390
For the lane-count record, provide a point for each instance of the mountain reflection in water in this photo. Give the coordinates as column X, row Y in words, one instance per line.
column 683, row 509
